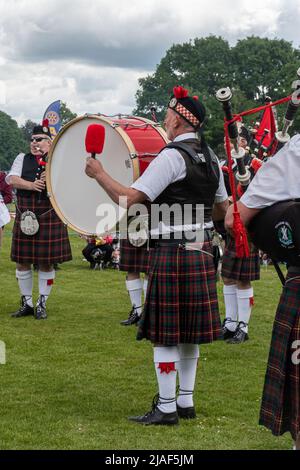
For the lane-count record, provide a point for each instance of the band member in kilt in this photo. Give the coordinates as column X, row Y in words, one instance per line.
column 39, row 237
column 278, row 180
column 237, row 274
column 135, row 261
column 181, row 307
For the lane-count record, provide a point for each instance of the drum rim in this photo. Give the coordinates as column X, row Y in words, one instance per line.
column 128, row 142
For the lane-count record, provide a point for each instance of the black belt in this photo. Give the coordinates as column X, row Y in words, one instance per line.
column 208, row 236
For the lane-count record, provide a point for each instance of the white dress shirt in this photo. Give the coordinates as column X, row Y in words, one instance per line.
column 168, row 167
column 17, row 166
column 277, row 180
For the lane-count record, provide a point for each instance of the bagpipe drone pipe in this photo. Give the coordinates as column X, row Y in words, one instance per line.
column 265, row 138
column 243, row 174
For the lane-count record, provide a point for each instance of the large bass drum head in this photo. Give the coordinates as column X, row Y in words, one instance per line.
column 79, row 201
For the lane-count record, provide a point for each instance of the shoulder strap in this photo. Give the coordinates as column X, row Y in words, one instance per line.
column 187, row 149
column 207, row 157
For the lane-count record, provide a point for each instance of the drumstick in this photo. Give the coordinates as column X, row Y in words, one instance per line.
column 94, row 139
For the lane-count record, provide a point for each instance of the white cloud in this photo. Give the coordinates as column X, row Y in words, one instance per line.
column 91, row 54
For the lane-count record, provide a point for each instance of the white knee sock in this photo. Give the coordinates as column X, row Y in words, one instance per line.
column 245, row 302
column 46, row 280
column 135, row 288
column 145, row 286
column 187, row 369
column 231, row 306
column 25, row 281
column 165, row 359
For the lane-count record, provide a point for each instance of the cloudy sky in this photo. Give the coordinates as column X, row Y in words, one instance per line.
column 90, row 54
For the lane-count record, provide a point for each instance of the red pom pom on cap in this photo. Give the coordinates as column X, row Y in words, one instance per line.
column 180, row 92
column 45, row 123
column 94, row 139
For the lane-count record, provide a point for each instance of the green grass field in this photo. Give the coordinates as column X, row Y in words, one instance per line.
column 71, row 381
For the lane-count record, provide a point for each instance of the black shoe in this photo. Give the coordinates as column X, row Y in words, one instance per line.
column 186, row 413
column 239, row 336
column 25, row 310
column 155, row 416
column 132, row 319
column 227, row 334
column 40, row 310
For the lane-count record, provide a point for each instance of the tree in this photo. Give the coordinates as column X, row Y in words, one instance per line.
column 12, row 141
column 66, row 114
column 27, row 129
column 265, row 66
column 253, row 68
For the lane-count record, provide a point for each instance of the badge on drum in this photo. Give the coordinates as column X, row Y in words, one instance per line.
column 138, row 231
column 29, row 223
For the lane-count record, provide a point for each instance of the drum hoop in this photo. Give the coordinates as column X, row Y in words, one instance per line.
column 128, row 142
column 131, row 148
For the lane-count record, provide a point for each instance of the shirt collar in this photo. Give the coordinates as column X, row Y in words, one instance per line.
column 187, row 135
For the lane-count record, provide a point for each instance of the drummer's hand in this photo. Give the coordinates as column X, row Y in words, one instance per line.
column 38, row 185
column 93, row 167
column 43, row 176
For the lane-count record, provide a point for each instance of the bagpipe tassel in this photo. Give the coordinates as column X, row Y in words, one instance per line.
column 240, row 236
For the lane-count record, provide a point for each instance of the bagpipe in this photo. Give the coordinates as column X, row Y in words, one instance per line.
column 276, row 231
column 267, row 142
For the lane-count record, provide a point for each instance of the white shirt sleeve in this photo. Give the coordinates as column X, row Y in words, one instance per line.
column 17, row 166
column 168, row 167
column 278, row 178
column 221, row 194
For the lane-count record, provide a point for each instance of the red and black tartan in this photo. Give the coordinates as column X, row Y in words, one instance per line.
column 133, row 259
column 181, row 304
column 240, row 269
column 280, row 408
column 50, row 244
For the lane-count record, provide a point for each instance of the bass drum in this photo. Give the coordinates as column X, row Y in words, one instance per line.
column 131, row 143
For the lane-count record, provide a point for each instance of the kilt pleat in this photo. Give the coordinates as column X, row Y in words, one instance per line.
column 240, row 269
column 280, row 407
column 49, row 245
column 133, row 259
column 181, row 304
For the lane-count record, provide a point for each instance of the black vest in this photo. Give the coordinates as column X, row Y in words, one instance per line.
column 31, row 170
column 199, row 185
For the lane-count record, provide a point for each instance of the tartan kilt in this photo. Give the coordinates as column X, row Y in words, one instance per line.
column 133, row 259
column 181, row 304
column 280, row 407
column 50, row 244
column 240, row 269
